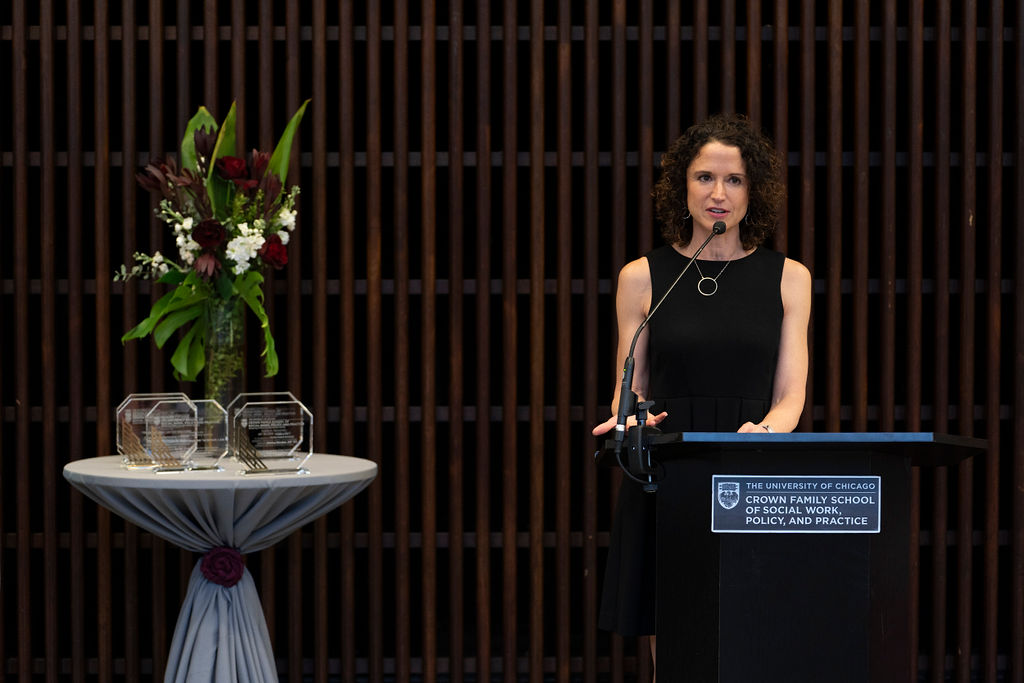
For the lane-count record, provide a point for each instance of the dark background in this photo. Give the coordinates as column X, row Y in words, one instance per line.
column 467, row 201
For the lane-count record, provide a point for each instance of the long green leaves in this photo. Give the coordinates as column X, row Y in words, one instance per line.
column 283, row 152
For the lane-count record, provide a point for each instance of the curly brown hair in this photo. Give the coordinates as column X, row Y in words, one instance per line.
column 761, row 162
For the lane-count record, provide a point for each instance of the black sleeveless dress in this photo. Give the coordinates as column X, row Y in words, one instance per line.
column 712, row 367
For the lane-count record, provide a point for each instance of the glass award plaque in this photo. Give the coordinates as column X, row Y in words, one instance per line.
column 171, row 431
column 271, row 430
column 131, row 430
column 211, row 435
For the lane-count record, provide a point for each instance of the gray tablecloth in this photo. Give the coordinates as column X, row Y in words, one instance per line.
column 221, row 634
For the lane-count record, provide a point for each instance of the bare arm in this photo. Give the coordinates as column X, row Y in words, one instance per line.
column 791, row 372
column 632, row 301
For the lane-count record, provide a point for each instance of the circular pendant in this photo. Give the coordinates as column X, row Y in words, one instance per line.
column 700, row 285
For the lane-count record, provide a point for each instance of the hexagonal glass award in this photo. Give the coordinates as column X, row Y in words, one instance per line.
column 276, row 431
column 171, row 428
column 131, row 430
column 211, row 434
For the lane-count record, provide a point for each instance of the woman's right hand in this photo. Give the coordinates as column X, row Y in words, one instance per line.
column 609, row 424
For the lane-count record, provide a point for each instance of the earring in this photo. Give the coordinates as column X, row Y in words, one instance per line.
column 687, row 216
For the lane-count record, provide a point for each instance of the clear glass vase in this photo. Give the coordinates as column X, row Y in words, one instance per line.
column 225, row 349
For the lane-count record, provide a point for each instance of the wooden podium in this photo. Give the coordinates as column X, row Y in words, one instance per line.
column 786, row 604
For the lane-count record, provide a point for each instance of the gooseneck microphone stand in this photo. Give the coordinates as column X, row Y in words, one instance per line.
column 639, row 449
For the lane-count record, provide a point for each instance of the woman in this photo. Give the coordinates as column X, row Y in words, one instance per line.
column 727, row 350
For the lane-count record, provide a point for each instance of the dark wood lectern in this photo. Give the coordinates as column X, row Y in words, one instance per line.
column 786, row 607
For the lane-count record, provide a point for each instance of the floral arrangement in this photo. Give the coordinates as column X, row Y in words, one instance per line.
column 231, row 218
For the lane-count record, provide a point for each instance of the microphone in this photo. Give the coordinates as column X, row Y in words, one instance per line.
column 626, row 395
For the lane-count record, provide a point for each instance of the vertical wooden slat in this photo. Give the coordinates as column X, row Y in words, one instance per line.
column 238, row 63
column 861, row 216
column 347, row 321
column 1016, row 603
column 673, row 71
column 296, row 330
column 727, row 52
column 940, row 487
column 780, row 93
column 22, row 343
column 183, row 65
column 887, row 287
column 456, row 401
column 265, row 58
column 537, row 459
column 509, row 325
column 374, row 335
column 645, row 101
column 403, row 490
column 968, row 315
column 834, row 190
column 915, row 309
column 563, row 380
column 76, row 352
column 701, row 64
column 157, row 228
column 754, row 60
column 428, row 321
column 593, row 325
column 48, row 354
column 990, row 594
column 319, row 332
column 483, row 335
column 808, row 164
column 211, row 40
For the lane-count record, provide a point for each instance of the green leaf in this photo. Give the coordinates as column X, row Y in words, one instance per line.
column 283, row 152
column 202, row 119
column 173, row 321
column 248, row 286
column 220, row 190
column 172, row 277
column 146, row 326
column 183, row 368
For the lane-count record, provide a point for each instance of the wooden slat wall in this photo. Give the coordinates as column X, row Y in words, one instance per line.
column 474, row 175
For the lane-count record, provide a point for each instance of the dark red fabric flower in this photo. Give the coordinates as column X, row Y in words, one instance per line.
column 245, row 184
column 223, row 566
column 207, row 265
column 209, row 233
column 273, row 253
column 232, row 168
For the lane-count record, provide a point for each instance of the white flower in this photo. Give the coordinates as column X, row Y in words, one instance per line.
column 158, row 264
column 185, row 227
column 243, row 249
column 287, row 218
column 187, row 247
column 284, row 236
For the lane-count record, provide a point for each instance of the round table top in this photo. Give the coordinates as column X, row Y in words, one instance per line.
column 322, row 469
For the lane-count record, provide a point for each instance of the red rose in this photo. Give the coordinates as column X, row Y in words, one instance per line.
column 209, row 233
column 223, row 566
column 231, row 168
column 273, row 253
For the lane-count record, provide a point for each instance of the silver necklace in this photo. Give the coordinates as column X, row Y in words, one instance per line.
column 712, row 280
